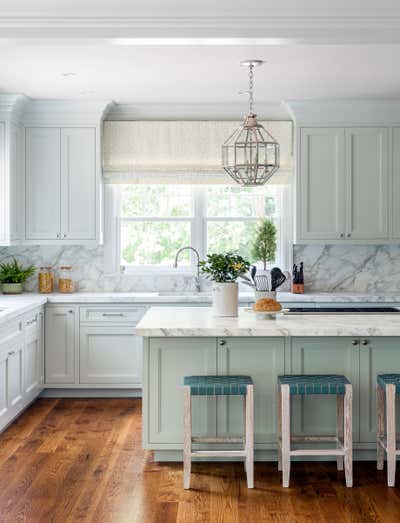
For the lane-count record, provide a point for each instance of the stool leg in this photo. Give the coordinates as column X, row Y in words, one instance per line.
column 244, row 427
column 339, row 427
column 250, row 436
column 380, row 426
column 285, row 402
column 279, row 402
column 391, row 433
column 348, row 435
column 187, row 437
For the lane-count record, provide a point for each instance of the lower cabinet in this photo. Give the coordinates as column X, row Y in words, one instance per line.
column 110, row 355
column 11, row 378
column 60, row 345
column 263, row 359
column 33, row 357
column 315, row 414
column 169, row 360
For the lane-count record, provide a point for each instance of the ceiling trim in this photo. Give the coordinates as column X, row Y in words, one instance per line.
column 309, row 28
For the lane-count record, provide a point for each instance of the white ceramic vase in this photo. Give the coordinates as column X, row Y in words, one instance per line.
column 225, row 299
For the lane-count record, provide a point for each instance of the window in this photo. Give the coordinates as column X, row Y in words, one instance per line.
column 154, row 221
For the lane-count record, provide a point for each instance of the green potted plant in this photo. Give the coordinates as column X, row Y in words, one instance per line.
column 13, row 275
column 224, row 270
column 264, row 246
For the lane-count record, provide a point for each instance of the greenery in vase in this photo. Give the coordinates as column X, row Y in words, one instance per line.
column 264, row 246
column 14, row 272
column 224, row 268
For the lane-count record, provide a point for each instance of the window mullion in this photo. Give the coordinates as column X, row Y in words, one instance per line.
column 199, row 237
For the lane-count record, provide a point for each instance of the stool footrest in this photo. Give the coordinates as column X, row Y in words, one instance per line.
column 214, row 453
column 313, row 438
column 317, row 452
column 232, row 439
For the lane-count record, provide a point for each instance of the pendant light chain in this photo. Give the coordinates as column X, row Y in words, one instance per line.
column 251, row 86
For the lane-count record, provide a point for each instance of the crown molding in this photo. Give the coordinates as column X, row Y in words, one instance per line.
column 12, row 106
column 168, row 111
column 74, row 112
column 302, row 27
column 344, row 112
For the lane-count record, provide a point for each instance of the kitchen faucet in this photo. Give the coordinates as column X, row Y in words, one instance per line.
column 197, row 279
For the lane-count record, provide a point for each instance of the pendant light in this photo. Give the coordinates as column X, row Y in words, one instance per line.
column 250, row 155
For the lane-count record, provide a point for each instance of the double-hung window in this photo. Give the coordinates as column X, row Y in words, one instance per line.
column 154, row 221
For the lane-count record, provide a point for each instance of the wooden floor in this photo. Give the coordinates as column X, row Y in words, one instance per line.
column 81, row 460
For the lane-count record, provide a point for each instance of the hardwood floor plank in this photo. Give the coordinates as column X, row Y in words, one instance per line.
column 81, row 461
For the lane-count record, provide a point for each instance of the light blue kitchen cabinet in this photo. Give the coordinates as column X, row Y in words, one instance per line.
column 262, row 359
column 316, row 414
column 377, row 356
column 169, row 360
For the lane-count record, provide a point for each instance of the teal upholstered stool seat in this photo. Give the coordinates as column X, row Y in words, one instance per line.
column 218, row 385
column 315, row 383
column 389, row 379
column 204, row 386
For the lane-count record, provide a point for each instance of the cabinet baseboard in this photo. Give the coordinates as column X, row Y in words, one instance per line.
column 91, row 393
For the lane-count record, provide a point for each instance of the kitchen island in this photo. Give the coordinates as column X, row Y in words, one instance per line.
column 181, row 341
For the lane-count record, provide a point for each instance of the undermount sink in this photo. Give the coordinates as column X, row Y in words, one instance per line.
column 183, row 293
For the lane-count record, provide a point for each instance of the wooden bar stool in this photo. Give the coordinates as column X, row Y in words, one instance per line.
column 386, row 388
column 219, row 386
column 316, row 384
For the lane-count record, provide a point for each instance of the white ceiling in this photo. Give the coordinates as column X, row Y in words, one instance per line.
column 358, row 60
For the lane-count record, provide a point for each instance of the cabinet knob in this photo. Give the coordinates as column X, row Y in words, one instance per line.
column 364, row 342
column 342, row 234
column 349, row 235
column 222, row 342
column 354, row 342
column 70, row 312
column 64, row 235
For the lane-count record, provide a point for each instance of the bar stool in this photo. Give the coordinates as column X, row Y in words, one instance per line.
column 219, row 386
column 387, row 385
column 316, row 384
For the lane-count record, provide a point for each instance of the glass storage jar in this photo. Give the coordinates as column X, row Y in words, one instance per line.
column 46, row 280
column 65, row 281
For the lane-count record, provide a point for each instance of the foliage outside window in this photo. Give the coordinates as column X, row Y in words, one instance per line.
column 156, row 220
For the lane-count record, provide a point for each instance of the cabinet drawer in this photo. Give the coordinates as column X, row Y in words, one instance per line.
column 10, row 330
column 109, row 314
column 32, row 323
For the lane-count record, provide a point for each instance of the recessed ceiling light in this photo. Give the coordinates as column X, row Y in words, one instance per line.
column 67, row 74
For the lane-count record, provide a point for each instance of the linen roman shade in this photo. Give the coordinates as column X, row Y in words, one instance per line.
column 179, row 151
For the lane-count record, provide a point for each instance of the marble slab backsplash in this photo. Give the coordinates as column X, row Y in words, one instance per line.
column 352, row 268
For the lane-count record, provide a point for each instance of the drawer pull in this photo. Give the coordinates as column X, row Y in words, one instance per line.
column 11, row 352
column 112, row 314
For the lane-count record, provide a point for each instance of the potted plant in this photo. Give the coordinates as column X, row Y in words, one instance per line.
column 224, row 270
column 13, row 275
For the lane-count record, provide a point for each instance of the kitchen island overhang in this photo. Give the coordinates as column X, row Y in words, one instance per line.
column 180, row 341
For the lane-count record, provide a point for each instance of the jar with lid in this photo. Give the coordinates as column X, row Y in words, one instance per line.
column 46, row 280
column 65, row 281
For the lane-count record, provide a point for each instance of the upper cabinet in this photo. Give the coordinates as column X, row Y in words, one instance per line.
column 395, row 200
column 61, row 184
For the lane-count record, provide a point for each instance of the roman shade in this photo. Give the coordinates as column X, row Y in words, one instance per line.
column 179, row 151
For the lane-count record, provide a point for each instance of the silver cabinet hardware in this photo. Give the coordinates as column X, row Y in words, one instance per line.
column 70, row 311
column 116, row 314
column 64, row 235
column 222, row 342
column 364, row 342
column 58, row 235
column 342, row 234
column 11, row 352
column 354, row 342
column 349, row 235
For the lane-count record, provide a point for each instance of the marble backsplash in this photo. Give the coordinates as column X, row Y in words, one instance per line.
column 353, row 268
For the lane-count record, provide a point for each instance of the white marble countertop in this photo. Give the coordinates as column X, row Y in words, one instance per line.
column 199, row 322
column 13, row 306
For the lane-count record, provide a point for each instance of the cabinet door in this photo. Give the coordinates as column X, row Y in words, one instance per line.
column 78, row 184
column 314, row 415
column 321, row 184
column 378, row 356
column 367, row 183
column 169, row 361
column 17, row 202
column 110, row 354
column 396, row 182
column 4, row 408
column 263, row 360
column 33, row 364
column 42, row 183
column 15, row 377
column 60, row 345
column 3, row 187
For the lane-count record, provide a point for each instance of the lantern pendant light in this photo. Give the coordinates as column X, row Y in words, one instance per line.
column 250, row 155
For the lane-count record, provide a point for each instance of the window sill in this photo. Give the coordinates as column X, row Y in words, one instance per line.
column 158, row 271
